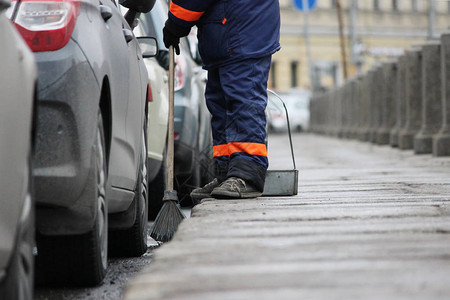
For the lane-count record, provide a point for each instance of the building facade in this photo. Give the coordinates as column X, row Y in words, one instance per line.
column 373, row 30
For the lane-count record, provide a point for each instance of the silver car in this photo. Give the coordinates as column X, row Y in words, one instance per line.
column 297, row 105
column 17, row 95
column 158, row 117
column 89, row 165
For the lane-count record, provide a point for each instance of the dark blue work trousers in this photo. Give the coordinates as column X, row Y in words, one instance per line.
column 236, row 96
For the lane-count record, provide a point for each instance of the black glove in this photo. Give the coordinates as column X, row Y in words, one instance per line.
column 172, row 34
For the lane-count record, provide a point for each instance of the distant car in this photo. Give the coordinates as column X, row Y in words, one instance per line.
column 18, row 77
column 193, row 139
column 90, row 159
column 297, row 105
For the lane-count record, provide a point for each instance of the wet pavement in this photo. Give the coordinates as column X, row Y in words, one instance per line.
column 369, row 222
column 120, row 271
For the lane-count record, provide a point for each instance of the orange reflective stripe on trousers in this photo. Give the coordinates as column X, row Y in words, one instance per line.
column 235, row 147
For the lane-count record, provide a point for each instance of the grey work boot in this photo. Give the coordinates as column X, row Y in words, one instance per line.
column 235, row 188
column 205, row 191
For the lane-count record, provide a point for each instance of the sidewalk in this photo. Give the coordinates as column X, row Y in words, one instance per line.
column 369, row 222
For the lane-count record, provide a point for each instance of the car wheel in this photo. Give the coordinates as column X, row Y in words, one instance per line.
column 132, row 242
column 20, row 274
column 156, row 190
column 79, row 260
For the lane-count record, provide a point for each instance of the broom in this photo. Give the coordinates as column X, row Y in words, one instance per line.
column 170, row 215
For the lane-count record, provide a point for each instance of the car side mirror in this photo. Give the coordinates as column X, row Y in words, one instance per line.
column 149, row 46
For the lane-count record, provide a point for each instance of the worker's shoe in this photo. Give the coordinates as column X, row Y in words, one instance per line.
column 205, row 191
column 235, row 188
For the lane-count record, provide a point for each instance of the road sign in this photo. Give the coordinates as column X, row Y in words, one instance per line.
column 300, row 4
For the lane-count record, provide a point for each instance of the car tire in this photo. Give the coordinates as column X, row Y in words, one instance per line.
column 19, row 280
column 79, row 260
column 156, row 189
column 132, row 242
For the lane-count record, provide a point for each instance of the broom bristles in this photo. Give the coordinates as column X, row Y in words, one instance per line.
column 167, row 221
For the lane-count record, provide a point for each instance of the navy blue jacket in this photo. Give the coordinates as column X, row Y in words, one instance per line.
column 230, row 30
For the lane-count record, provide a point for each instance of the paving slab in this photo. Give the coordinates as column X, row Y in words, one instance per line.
column 369, row 222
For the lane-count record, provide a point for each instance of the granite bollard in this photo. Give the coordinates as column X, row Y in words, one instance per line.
column 341, row 111
column 441, row 141
column 378, row 95
column 413, row 120
column 364, row 130
column 354, row 122
column 399, row 100
column 431, row 98
column 388, row 103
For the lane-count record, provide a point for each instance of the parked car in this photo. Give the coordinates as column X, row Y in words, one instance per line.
column 90, row 159
column 18, row 77
column 158, row 116
column 192, row 131
column 297, row 105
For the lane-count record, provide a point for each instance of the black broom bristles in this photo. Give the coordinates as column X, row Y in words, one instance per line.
column 168, row 218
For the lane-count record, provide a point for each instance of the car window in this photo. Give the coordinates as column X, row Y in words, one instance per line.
column 153, row 22
column 147, row 26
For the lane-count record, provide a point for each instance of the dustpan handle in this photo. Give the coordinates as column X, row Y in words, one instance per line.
column 288, row 126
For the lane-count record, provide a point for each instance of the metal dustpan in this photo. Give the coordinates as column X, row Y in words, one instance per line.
column 282, row 182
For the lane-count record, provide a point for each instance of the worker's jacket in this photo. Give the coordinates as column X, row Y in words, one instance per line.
column 230, row 30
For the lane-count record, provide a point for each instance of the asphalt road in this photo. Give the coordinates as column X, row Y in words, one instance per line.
column 120, row 271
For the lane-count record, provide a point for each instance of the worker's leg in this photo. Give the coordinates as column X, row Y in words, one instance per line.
column 216, row 104
column 244, row 85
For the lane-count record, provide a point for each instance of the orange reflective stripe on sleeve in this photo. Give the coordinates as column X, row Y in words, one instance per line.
column 249, row 148
column 184, row 14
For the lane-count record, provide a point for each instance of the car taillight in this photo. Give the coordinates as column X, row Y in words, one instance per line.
column 46, row 25
column 180, row 72
column 149, row 93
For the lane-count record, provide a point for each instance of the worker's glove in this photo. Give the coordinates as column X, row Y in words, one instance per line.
column 172, row 34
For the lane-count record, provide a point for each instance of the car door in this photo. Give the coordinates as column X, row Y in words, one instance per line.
column 125, row 133
column 137, row 82
column 106, row 44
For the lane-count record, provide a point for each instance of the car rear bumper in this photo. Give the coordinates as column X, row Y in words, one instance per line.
column 67, row 116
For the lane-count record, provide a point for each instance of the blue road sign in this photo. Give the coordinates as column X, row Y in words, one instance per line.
column 311, row 4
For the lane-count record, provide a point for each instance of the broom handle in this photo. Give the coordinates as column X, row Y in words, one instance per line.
column 170, row 142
